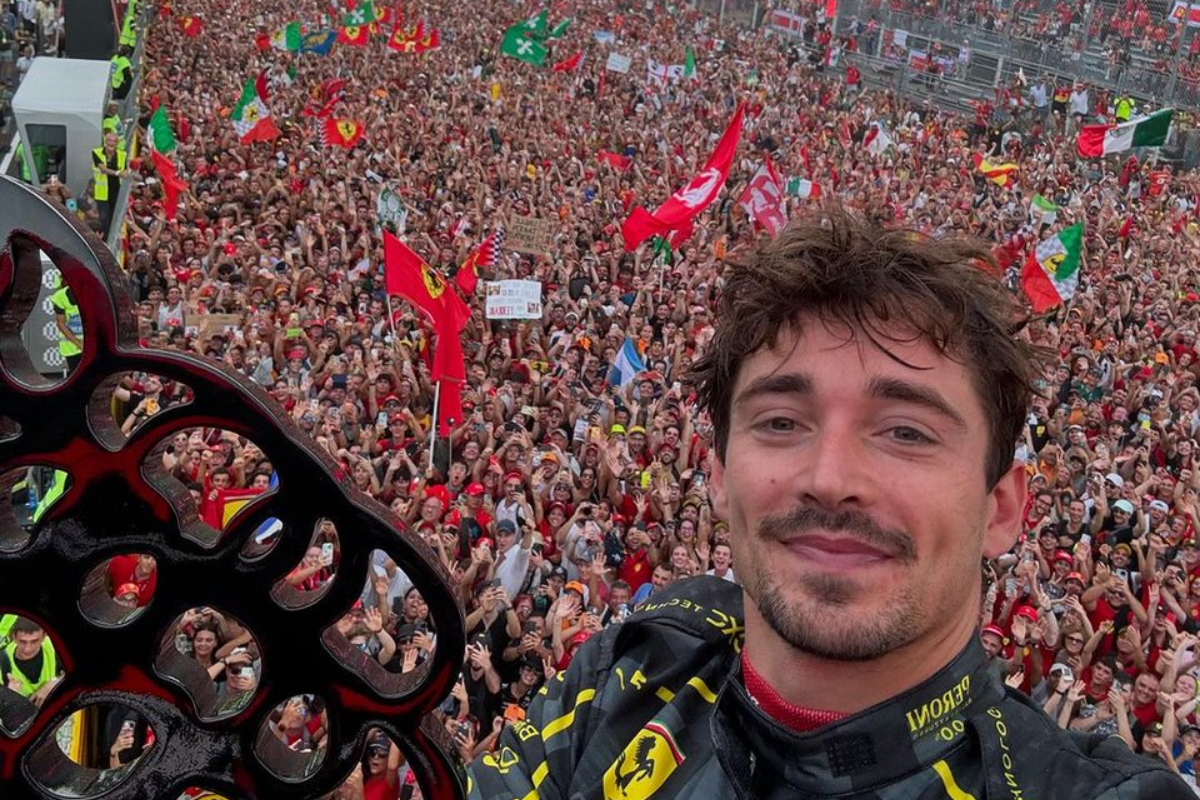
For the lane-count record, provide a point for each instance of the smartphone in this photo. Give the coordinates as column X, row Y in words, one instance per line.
column 327, row 554
column 1086, row 539
column 293, row 333
column 376, row 568
column 381, row 419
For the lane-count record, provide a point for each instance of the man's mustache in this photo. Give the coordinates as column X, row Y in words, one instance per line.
column 792, row 525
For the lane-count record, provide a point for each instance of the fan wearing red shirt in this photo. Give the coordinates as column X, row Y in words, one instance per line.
column 140, row 569
column 381, row 770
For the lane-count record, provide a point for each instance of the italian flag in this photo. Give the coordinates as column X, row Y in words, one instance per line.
column 1149, row 131
column 251, row 117
column 1051, row 272
column 162, row 140
column 287, row 38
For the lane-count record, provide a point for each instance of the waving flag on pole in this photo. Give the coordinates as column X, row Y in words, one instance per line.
column 191, row 26
column 482, row 256
column 626, row 366
column 408, row 275
column 319, row 42
column 763, row 199
column 287, row 38
column 518, row 45
column 568, row 64
column 1051, row 273
column 999, row 174
column 683, row 206
column 1148, row 131
column 251, row 117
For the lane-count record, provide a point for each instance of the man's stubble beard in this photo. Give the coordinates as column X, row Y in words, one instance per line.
column 823, row 623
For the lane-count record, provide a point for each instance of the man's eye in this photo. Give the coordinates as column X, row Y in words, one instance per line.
column 909, row 435
column 781, row 424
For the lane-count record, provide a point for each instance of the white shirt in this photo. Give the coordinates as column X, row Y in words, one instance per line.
column 511, row 571
column 728, row 576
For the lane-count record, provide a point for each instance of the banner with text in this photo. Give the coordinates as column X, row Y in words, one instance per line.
column 513, row 299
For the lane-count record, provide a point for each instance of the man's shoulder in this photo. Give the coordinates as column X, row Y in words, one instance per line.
column 690, row 616
column 1096, row 765
column 691, row 603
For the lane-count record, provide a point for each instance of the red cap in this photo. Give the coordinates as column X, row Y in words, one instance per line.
column 995, row 630
column 1076, row 576
column 474, row 489
column 1028, row 612
column 514, row 476
column 1063, row 555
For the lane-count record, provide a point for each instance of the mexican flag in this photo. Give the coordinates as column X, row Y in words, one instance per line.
column 1042, row 210
column 521, row 47
column 287, row 38
column 251, row 117
column 162, row 140
column 1051, row 272
column 1149, row 131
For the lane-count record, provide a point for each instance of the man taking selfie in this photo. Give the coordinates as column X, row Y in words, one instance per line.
column 867, row 389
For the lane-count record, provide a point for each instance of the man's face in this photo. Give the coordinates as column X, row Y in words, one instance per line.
column 28, row 643
column 834, row 450
column 1145, row 689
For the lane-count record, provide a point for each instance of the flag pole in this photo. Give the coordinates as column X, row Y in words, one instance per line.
column 437, row 396
column 391, row 319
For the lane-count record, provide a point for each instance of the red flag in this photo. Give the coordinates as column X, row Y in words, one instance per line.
column 354, row 35
column 431, row 41
column 406, row 274
column 171, row 182
column 342, row 132
column 568, row 64
column 262, row 41
column 615, row 160
column 763, row 199
column 689, row 201
column 191, row 26
column 482, row 256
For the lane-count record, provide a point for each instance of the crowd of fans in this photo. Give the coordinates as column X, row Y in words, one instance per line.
column 562, row 500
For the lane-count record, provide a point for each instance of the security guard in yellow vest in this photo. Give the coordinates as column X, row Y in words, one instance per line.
column 28, row 664
column 69, row 322
column 128, row 37
column 112, row 120
column 1123, row 108
column 121, row 73
column 108, row 167
column 57, row 488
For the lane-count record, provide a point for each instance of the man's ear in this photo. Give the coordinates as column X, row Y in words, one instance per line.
column 1005, row 508
column 716, row 489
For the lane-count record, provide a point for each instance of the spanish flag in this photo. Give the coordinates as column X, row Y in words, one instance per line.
column 999, row 174
column 342, row 132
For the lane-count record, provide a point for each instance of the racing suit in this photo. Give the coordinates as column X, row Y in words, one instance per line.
column 656, row 708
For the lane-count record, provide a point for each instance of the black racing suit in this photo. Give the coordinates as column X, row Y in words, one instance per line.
column 656, row 708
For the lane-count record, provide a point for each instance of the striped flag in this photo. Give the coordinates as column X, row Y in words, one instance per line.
column 627, row 365
column 1149, row 131
column 1051, row 273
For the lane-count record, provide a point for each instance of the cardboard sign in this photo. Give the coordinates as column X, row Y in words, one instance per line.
column 618, row 63
column 211, row 324
column 530, row 235
column 513, row 299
